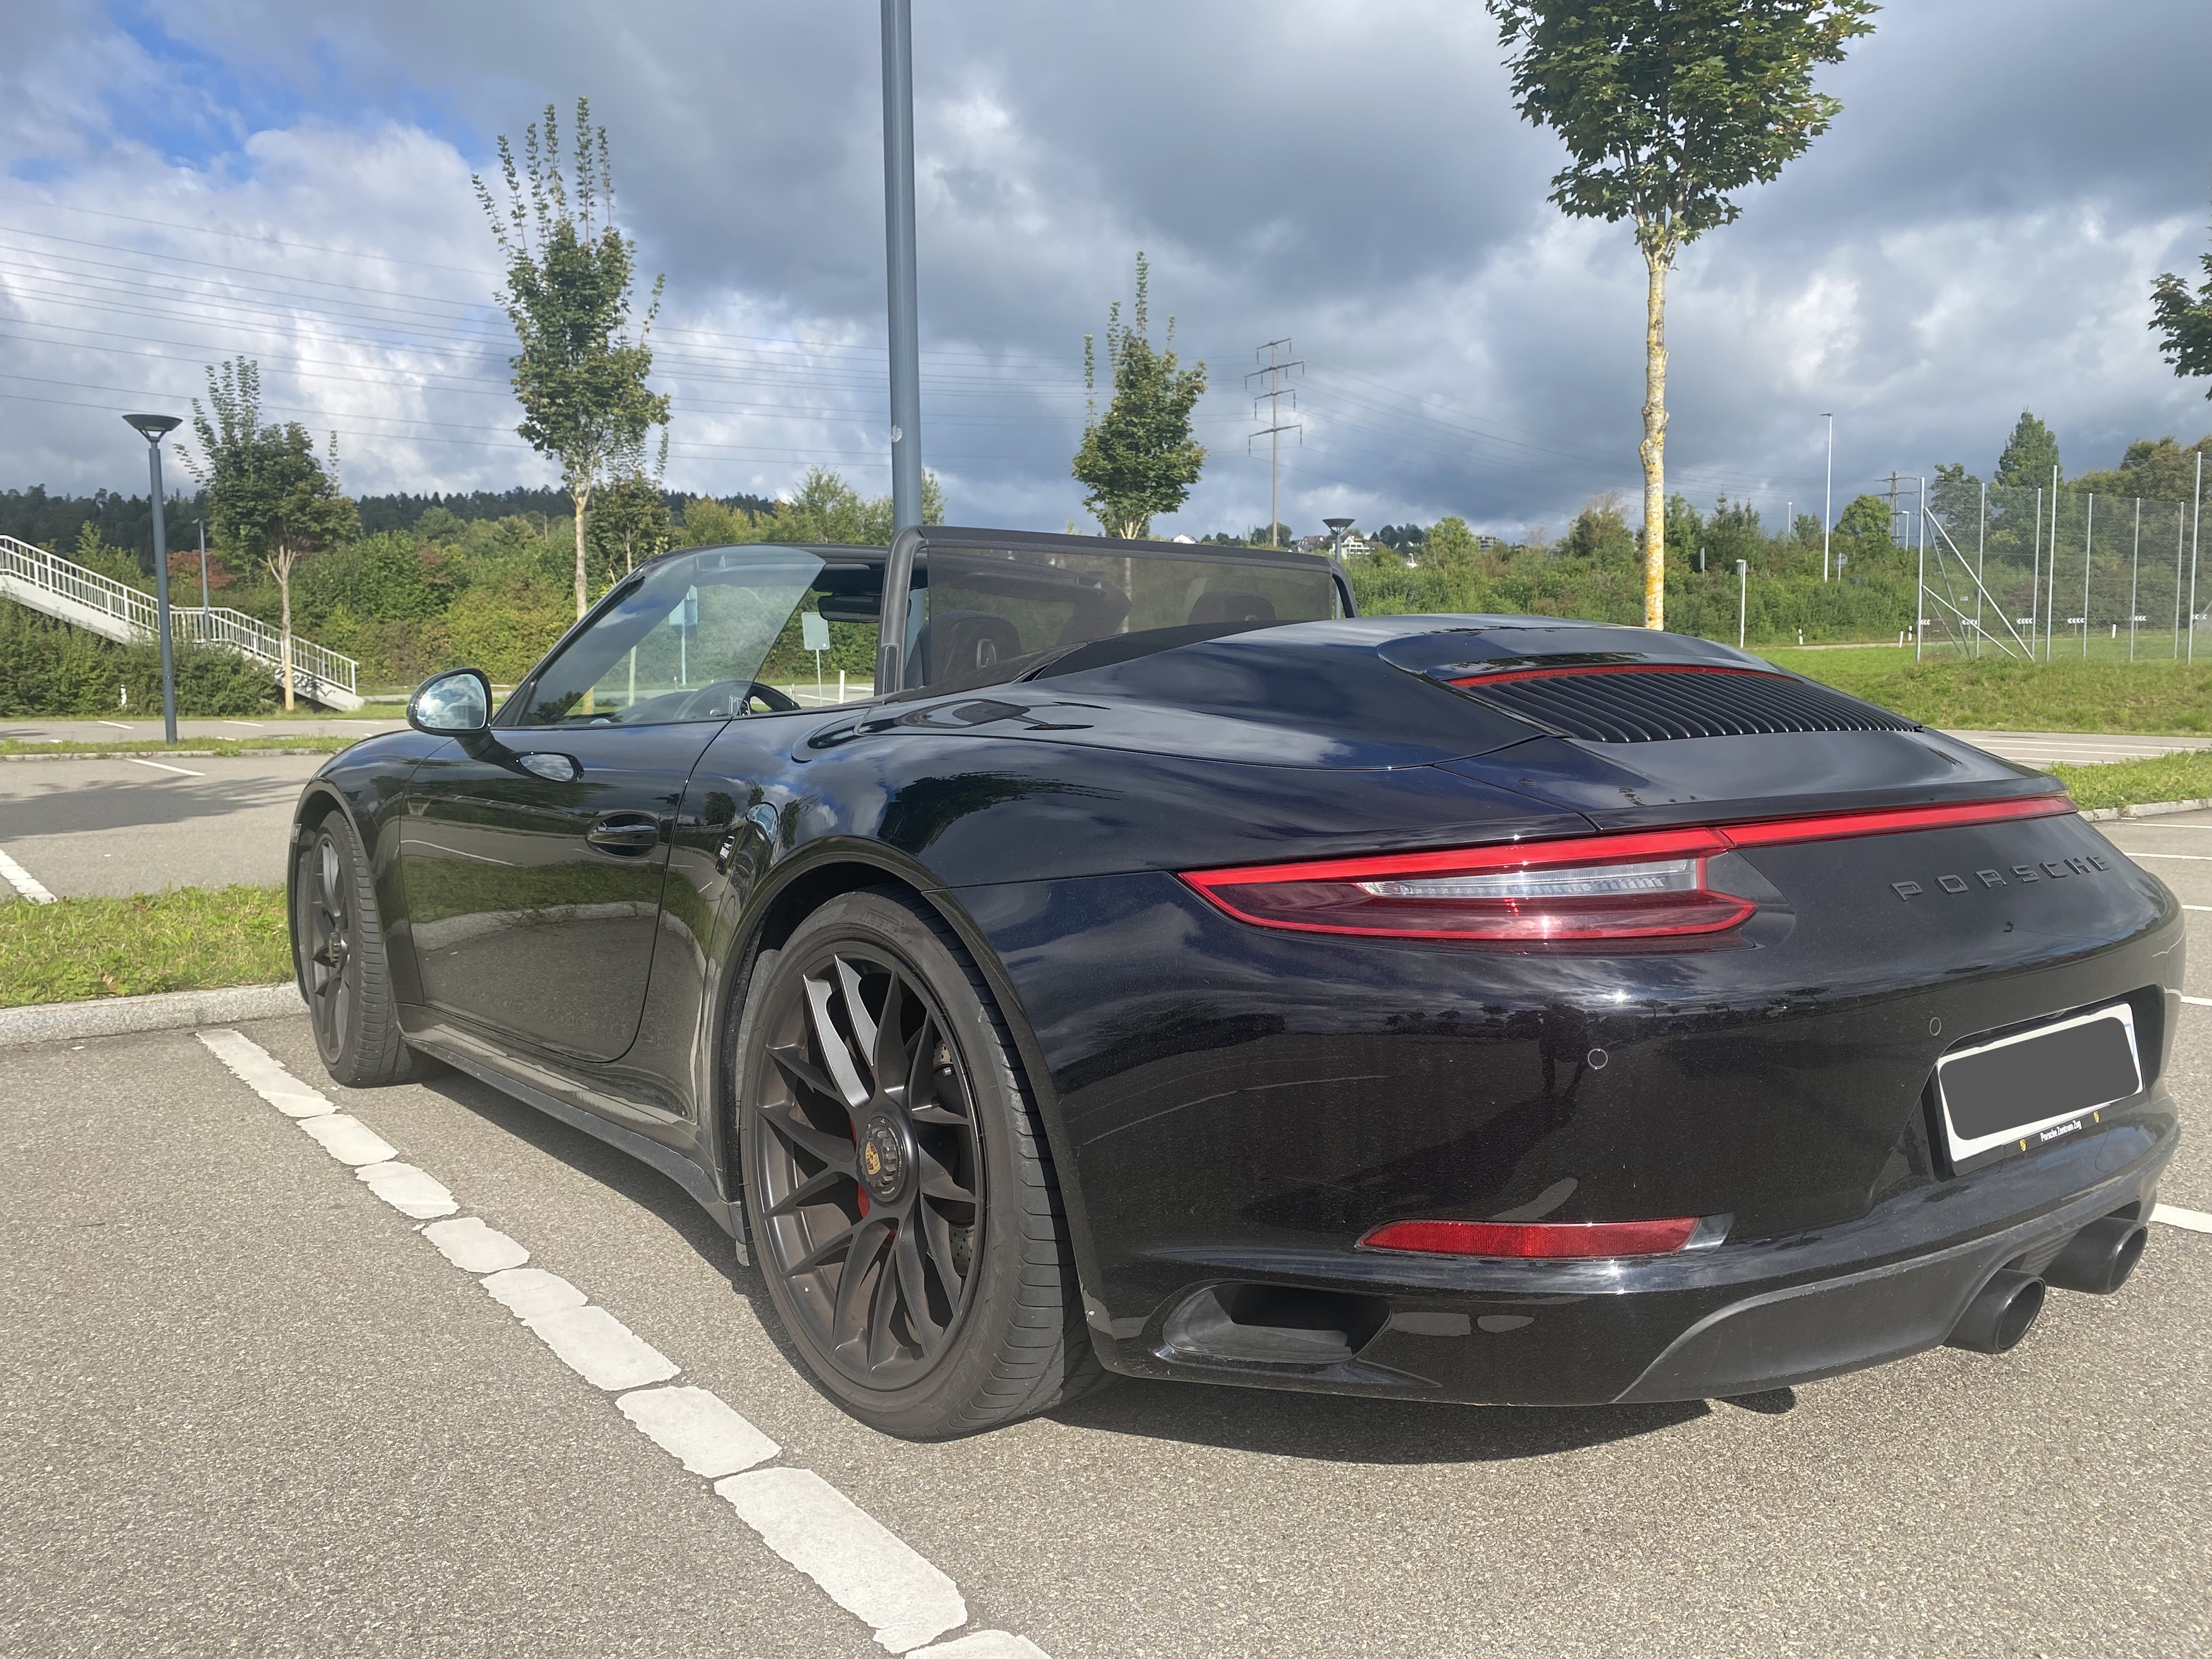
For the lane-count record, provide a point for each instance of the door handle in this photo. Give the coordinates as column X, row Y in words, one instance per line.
column 628, row 834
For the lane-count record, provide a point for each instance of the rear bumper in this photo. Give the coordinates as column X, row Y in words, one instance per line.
column 1733, row 1320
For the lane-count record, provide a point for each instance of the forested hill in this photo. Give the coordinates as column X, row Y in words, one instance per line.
column 54, row 522
column 402, row 512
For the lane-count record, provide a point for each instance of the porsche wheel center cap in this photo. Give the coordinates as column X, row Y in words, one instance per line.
column 883, row 1160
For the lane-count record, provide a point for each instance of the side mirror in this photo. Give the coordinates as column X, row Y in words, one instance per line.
column 454, row 704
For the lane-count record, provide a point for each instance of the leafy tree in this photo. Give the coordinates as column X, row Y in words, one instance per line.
column 2183, row 322
column 1449, row 544
column 1666, row 107
column 268, row 497
column 1601, row 534
column 2030, row 455
column 1734, row 531
column 1685, row 531
column 1141, row 459
column 2158, row 470
column 579, row 378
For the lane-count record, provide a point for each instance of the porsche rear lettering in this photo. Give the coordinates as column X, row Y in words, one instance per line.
column 2048, row 870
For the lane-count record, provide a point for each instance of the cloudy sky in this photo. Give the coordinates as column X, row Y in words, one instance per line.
column 290, row 181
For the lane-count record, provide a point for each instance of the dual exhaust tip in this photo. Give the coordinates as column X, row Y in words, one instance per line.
column 2096, row 1261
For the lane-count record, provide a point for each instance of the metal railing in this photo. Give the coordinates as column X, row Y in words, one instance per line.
column 312, row 666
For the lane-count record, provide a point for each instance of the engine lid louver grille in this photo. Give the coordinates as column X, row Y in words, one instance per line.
column 1653, row 703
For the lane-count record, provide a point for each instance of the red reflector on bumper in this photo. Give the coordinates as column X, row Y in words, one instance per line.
column 1526, row 1240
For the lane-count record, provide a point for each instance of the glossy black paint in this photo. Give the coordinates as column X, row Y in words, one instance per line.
column 1232, row 1105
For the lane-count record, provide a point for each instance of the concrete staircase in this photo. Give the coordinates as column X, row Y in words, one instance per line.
column 85, row 599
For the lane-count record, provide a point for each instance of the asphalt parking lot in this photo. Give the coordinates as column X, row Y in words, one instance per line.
column 254, row 1410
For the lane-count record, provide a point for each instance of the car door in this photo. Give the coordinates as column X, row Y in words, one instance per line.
column 533, row 854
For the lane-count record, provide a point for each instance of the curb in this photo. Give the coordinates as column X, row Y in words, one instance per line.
column 169, row 1010
column 2150, row 809
column 169, row 754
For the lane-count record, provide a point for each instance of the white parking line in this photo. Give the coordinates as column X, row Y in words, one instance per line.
column 2201, row 1002
column 163, row 766
column 2191, row 858
column 24, row 882
column 256, row 725
column 2195, row 1221
column 118, row 725
column 863, row 1567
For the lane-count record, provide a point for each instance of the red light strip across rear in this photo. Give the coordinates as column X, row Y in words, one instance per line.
column 1533, row 1240
column 1640, row 884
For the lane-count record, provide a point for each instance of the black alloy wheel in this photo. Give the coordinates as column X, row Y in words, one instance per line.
column 338, row 943
column 327, row 961
column 896, row 1185
column 871, row 1168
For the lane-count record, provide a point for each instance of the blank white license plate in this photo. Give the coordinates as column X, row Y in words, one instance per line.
column 2039, row 1085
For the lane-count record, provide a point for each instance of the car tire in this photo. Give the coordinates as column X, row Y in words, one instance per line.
column 962, row 1316
column 344, row 969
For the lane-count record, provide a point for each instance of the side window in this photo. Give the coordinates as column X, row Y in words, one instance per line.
column 689, row 641
column 826, row 651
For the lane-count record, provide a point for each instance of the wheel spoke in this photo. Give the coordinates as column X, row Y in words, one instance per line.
column 831, row 1042
column 906, row 1256
column 937, row 1182
column 887, row 1056
column 802, row 1074
column 859, row 1279
column 856, row 1009
column 810, row 1190
column 937, row 1235
column 838, row 1244
column 835, row 1151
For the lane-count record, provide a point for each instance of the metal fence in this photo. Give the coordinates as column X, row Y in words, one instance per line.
column 2045, row 574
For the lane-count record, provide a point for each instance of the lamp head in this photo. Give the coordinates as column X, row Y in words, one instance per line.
column 153, row 427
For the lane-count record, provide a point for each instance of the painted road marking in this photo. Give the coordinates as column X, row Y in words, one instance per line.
column 24, row 882
column 163, row 766
column 407, row 1190
column 2192, row 858
column 256, row 725
column 474, row 1248
column 2196, row 906
column 119, row 726
column 866, row 1571
column 693, row 1426
column 348, row 1139
column 2201, row 1002
column 861, row 1565
column 2195, row 1221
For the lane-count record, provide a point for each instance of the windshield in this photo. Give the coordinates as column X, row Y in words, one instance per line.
column 991, row 612
column 696, row 637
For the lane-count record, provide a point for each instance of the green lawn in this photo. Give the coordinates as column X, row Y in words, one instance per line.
column 193, row 938
column 1997, row 694
column 306, row 740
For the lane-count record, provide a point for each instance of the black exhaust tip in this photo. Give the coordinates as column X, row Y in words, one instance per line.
column 2000, row 1313
column 2098, row 1259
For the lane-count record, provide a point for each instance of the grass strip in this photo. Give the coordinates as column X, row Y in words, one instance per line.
column 191, row 938
column 1998, row 694
column 2134, row 782
column 305, row 743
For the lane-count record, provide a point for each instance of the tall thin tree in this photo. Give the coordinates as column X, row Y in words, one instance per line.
column 580, row 377
column 1666, row 107
column 1140, row 460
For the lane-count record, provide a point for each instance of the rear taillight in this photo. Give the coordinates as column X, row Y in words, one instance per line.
column 1535, row 1240
column 1643, row 884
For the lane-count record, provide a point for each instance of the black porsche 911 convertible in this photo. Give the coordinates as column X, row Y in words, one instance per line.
column 1166, row 971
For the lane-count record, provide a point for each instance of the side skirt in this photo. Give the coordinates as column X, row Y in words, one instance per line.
column 728, row 1213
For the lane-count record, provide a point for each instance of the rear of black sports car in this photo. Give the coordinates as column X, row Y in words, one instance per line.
column 1496, row 1010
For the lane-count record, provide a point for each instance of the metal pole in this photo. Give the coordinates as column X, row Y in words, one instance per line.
column 204, row 586
column 2196, row 525
column 1828, row 505
column 2180, row 524
column 2088, row 535
column 1920, row 590
column 2135, row 572
column 898, row 236
column 161, row 596
column 2035, row 578
column 2051, row 624
column 1742, row 599
column 1981, row 544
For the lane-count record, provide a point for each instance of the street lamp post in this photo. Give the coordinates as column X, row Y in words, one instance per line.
column 204, row 586
column 1742, row 599
column 898, row 237
column 153, row 428
column 1828, row 504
